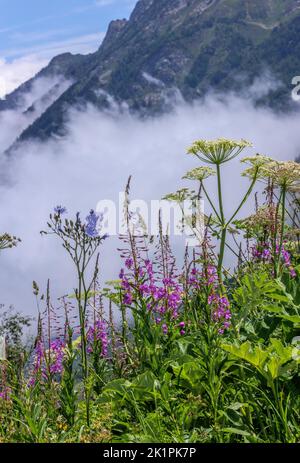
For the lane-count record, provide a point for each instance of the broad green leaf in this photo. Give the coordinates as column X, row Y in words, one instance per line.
column 292, row 318
column 254, row 355
column 189, row 375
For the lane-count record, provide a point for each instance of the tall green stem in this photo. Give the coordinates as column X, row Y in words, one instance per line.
column 82, row 300
column 283, row 200
column 223, row 224
column 244, row 199
column 275, row 236
column 220, row 196
column 210, row 201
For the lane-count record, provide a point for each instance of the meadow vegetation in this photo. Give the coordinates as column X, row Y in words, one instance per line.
column 201, row 353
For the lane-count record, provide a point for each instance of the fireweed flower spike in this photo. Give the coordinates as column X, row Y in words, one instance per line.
column 99, row 334
column 221, row 313
column 38, row 371
column 5, row 393
column 57, row 355
column 263, row 253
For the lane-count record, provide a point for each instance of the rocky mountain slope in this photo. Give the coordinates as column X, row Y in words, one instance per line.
column 171, row 50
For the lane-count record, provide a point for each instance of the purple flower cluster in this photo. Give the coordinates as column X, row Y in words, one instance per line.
column 56, row 356
column 220, row 311
column 98, row 333
column 46, row 362
column 5, row 394
column 287, row 261
column 263, row 252
column 208, row 276
column 37, row 363
column 181, row 327
column 163, row 295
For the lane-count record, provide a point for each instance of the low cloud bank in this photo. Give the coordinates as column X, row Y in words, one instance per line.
column 13, row 73
column 94, row 161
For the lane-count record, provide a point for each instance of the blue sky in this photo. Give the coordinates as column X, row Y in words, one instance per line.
column 33, row 31
column 35, row 25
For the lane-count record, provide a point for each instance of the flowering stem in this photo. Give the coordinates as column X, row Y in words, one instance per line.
column 82, row 293
column 220, row 195
column 250, row 189
column 275, row 236
column 124, row 331
column 49, row 334
column 210, row 202
column 283, row 200
column 224, row 228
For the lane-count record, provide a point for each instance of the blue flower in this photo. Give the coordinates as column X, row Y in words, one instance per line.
column 91, row 225
column 60, row 210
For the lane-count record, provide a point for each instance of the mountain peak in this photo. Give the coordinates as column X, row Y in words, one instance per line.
column 114, row 29
column 180, row 48
column 140, row 8
column 158, row 9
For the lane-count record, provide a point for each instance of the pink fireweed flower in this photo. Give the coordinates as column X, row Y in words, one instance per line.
column 56, row 355
column 129, row 263
column 145, row 289
column 221, row 313
column 212, row 275
column 207, row 277
column 121, row 274
column 37, row 364
column 287, row 261
column 160, row 291
column 266, row 253
column 293, row 273
column 47, row 362
column 141, row 273
column 98, row 334
column 263, row 253
column 149, row 268
column 5, row 394
column 127, row 300
column 125, row 284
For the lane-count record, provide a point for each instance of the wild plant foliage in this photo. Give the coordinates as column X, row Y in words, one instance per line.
column 200, row 353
